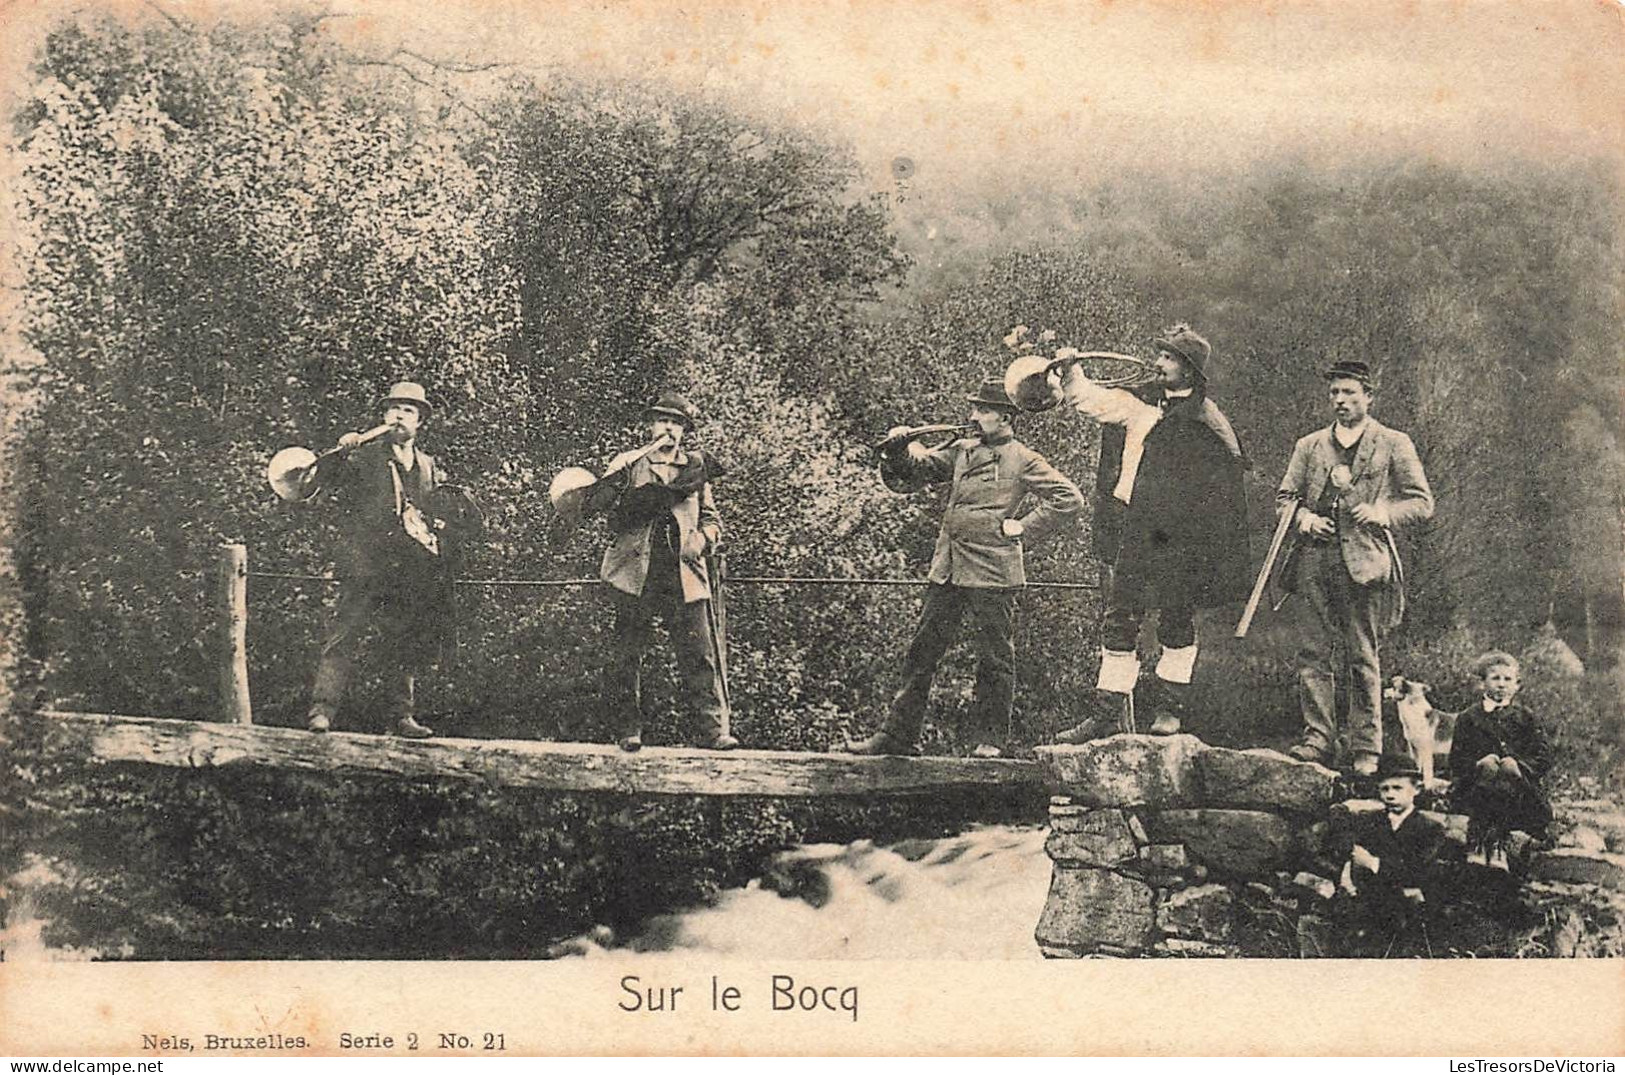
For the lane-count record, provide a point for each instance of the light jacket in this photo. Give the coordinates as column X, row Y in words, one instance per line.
column 990, row 479
column 1386, row 472
column 637, row 499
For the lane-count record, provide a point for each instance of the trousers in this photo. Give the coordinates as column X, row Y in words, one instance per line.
column 993, row 634
column 688, row 622
column 395, row 611
column 1120, row 627
column 1339, row 620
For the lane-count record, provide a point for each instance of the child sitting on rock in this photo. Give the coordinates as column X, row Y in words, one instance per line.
column 1394, row 854
column 1497, row 760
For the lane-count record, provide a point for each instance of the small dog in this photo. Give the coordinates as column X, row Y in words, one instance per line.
column 1427, row 731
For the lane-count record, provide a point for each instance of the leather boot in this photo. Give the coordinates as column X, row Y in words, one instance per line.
column 1116, row 715
column 882, row 742
column 1167, row 707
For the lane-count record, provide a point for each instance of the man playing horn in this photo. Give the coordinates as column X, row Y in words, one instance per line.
column 1171, row 520
column 665, row 520
column 391, row 560
column 978, row 567
column 1352, row 483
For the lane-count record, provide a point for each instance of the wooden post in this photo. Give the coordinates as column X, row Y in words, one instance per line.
column 233, row 606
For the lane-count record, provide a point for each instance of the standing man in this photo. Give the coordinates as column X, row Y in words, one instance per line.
column 1351, row 484
column 1171, row 519
column 391, row 498
column 665, row 520
column 978, row 566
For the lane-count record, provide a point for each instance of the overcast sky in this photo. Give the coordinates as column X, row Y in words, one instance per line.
column 1075, row 86
column 977, row 91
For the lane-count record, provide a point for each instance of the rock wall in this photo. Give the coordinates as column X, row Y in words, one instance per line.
column 1166, row 846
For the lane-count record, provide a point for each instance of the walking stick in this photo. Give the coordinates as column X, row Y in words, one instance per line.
column 716, row 618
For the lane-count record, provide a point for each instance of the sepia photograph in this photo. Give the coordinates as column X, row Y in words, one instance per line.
column 651, row 493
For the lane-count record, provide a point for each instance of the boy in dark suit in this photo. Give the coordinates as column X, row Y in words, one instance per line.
column 1393, row 854
column 1497, row 759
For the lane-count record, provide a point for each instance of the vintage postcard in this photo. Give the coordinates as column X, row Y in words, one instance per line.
column 773, row 527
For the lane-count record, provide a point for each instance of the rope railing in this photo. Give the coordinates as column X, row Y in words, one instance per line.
column 731, row 580
column 232, row 574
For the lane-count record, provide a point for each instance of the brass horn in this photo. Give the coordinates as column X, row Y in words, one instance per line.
column 899, row 478
column 1027, row 380
column 568, row 490
column 292, row 471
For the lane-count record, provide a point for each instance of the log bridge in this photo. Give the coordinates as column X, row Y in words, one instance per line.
column 519, row 763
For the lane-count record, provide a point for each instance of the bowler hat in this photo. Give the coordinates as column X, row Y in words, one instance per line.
column 672, row 405
column 992, row 394
column 1183, row 341
column 1356, row 371
column 1397, row 765
column 407, row 392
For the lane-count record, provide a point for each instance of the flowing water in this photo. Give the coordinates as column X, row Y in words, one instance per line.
column 973, row 896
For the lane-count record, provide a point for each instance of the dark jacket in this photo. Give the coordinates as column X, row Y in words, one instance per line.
column 375, row 542
column 1182, row 538
column 990, row 481
column 1407, row 856
column 1509, row 732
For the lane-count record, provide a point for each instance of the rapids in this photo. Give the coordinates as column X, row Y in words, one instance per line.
column 973, row 896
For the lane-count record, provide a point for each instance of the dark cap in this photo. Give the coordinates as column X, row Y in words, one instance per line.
column 672, row 405
column 1357, row 371
column 992, row 394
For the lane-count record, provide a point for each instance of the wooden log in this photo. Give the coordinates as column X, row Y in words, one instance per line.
column 232, row 605
column 573, row 767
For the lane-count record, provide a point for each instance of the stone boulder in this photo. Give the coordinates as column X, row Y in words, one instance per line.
column 1091, row 910
column 1264, row 780
column 1579, row 867
column 1227, row 841
column 1205, row 913
column 1090, row 838
column 1126, row 770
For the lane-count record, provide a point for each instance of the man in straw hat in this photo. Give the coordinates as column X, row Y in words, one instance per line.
column 1350, row 484
column 1171, row 519
column 665, row 520
column 978, row 567
column 388, row 489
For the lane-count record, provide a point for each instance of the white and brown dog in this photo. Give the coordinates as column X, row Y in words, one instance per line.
column 1427, row 731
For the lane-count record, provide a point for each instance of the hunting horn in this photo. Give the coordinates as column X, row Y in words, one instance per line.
column 897, row 478
column 1027, row 380
column 567, row 492
column 291, row 470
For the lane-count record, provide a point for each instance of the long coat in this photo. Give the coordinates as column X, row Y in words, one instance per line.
column 1386, row 472
column 637, row 498
column 990, row 479
column 1182, row 537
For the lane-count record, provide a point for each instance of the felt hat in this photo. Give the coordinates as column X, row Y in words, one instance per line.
column 672, row 405
column 992, row 394
column 1357, row 371
column 1183, row 341
column 1397, row 765
column 407, row 392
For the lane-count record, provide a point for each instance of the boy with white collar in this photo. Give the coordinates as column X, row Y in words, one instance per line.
column 1497, row 759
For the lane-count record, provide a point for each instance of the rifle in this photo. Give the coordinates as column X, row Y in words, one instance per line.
column 1289, row 510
